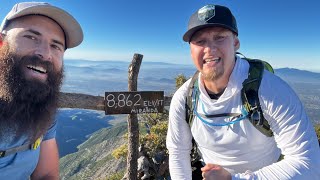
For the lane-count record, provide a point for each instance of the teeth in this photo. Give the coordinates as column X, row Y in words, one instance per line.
column 216, row 59
column 37, row 68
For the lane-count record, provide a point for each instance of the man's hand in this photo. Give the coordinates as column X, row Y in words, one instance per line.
column 215, row 172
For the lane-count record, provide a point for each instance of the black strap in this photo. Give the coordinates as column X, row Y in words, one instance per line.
column 24, row 147
column 195, row 157
column 220, row 115
column 250, row 97
column 188, row 105
column 14, row 150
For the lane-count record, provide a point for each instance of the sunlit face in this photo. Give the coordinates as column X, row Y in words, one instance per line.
column 39, row 36
column 31, row 73
column 213, row 52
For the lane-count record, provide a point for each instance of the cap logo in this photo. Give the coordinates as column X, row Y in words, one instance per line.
column 206, row 13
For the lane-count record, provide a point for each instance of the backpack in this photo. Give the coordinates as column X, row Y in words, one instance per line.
column 249, row 96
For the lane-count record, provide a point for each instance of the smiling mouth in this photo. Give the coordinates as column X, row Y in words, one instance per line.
column 212, row 60
column 38, row 69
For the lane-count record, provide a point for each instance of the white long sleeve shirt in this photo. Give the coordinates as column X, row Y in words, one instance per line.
column 240, row 147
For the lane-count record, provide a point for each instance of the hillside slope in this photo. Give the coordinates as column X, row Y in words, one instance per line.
column 94, row 159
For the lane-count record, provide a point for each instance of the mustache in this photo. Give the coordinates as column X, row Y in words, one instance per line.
column 36, row 61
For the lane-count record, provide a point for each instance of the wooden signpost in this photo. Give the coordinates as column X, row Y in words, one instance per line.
column 133, row 126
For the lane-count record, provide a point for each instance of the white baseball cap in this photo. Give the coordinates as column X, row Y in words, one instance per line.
column 70, row 26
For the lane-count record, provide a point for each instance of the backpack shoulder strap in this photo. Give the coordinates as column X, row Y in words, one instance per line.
column 189, row 107
column 189, row 104
column 250, row 97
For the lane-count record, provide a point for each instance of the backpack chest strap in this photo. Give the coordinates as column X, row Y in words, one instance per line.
column 24, row 147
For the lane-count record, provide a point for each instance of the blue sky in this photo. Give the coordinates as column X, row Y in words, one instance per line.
column 286, row 33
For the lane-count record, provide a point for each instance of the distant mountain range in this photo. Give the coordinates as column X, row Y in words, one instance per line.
column 296, row 75
column 103, row 76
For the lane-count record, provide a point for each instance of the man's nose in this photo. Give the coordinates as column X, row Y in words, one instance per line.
column 210, row 48
column 43, row 51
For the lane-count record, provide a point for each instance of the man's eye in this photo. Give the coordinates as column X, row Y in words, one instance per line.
column 30, row 37
column 200, row 42
column 219, row 38
column 56, row 47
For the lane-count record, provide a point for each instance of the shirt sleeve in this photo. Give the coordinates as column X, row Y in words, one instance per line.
column 52, row 130
column 179, row 138
column 293, row 133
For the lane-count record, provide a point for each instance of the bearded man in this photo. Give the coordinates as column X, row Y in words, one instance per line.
column 34, row 37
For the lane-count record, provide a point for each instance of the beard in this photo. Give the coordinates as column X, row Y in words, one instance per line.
column 28, row 106
column 213, row 74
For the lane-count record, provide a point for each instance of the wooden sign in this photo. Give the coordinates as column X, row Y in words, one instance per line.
column 134, row 102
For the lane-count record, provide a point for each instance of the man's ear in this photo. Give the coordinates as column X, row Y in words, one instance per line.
column 236, row 43
column 1, row 40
